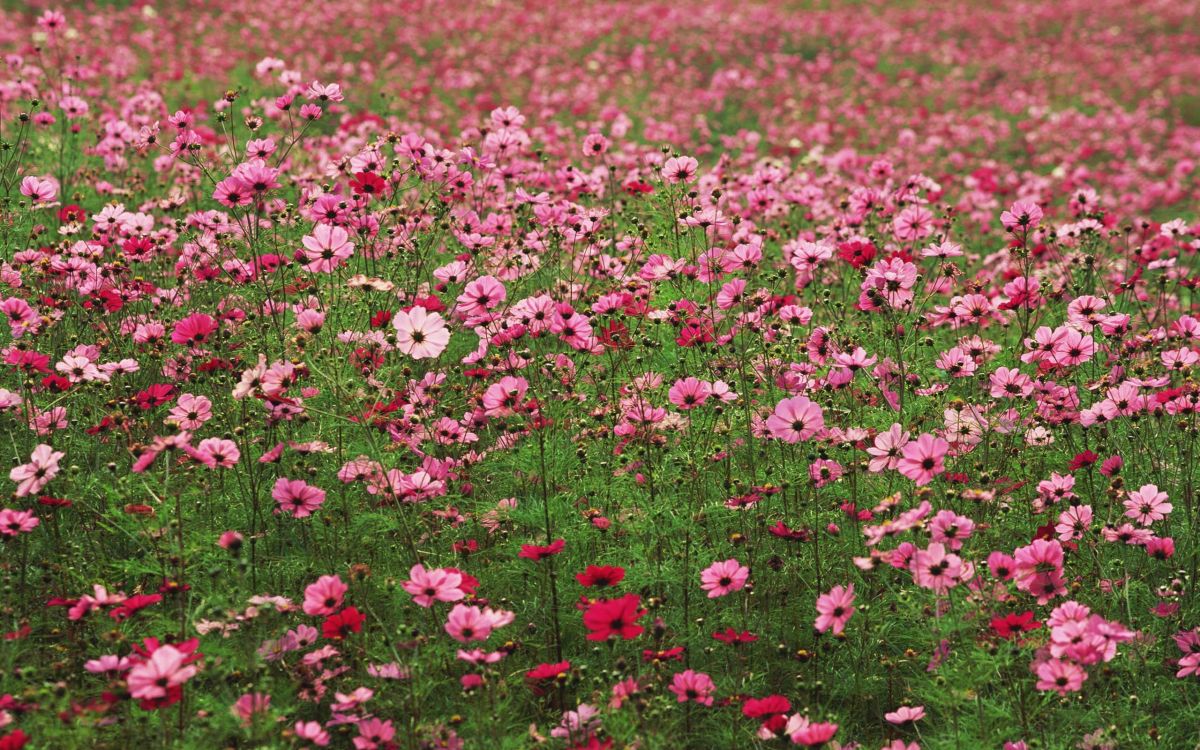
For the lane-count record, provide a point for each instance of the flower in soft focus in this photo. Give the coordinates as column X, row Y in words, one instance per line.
column 340, row 625
column 1023, row 215
column 905, row 715
column 166, row 668
column 690, row 685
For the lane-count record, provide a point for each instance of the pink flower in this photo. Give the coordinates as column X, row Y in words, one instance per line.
column 39, row 189
column 481, row 295
column 933, row 568
column 921, row 460
column 808, row 733
column 796, row 419
column 33, row 476
column 1039, row 569
column 951, row 529
column 913, row 223
column 470, row 623
column 690, row 685
column 1061, row 676
column 834, row 609
column 312, row 731
column 905, row 715
column 1147, row 505
column 689, row 393
column 887, row 449
column 420, row 334
column 163, row 670
column 194, row 330
column 1023, row 215
column 723, row 578
column 297, row 497
column 679, row 169
column 249, row 706
column 326, row 248
column 428, row 586
column 190, row 412
column 325, row 596
column 13, row 522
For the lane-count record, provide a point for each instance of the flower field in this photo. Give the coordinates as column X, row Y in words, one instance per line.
column 631, row 375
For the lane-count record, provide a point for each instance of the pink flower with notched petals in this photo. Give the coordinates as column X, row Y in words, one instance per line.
column 1022, row 215
column 438, row 584
column 190, row 412
column 420, row 334
column 834, row 609
column 14, row 522
column 297, row 497
column 888, row 447
column 1061, row 676
column 165, row 668
column 922, row 459
column 905, row 715
column 689, row 393
column 796, row 419
column 679, row 169
column 481, row 295
column 33, row 476
column 1147, row 505
column 723, row 578
column 1039, row 569
column 327, row 248
column 933, row 568
column 39, row 189
column 325, row 596
column 690, row 685
column 194, row 330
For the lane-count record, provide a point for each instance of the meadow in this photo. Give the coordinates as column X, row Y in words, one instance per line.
column 630, row 375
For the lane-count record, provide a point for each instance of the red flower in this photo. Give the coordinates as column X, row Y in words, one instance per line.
column 71, row 213
column 14, row 741
column 733, row 637
column 539, row 677
column 1012, row 625
column 132, row 605
column 670, row 654
column 1083, row 460
column 156, row 395
column 368, row 183
column 600, row 575
column 783, row 531
column 538, row 552
column 337, row 627
column 857, row 253
column 764, row 708
column 608, row 617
